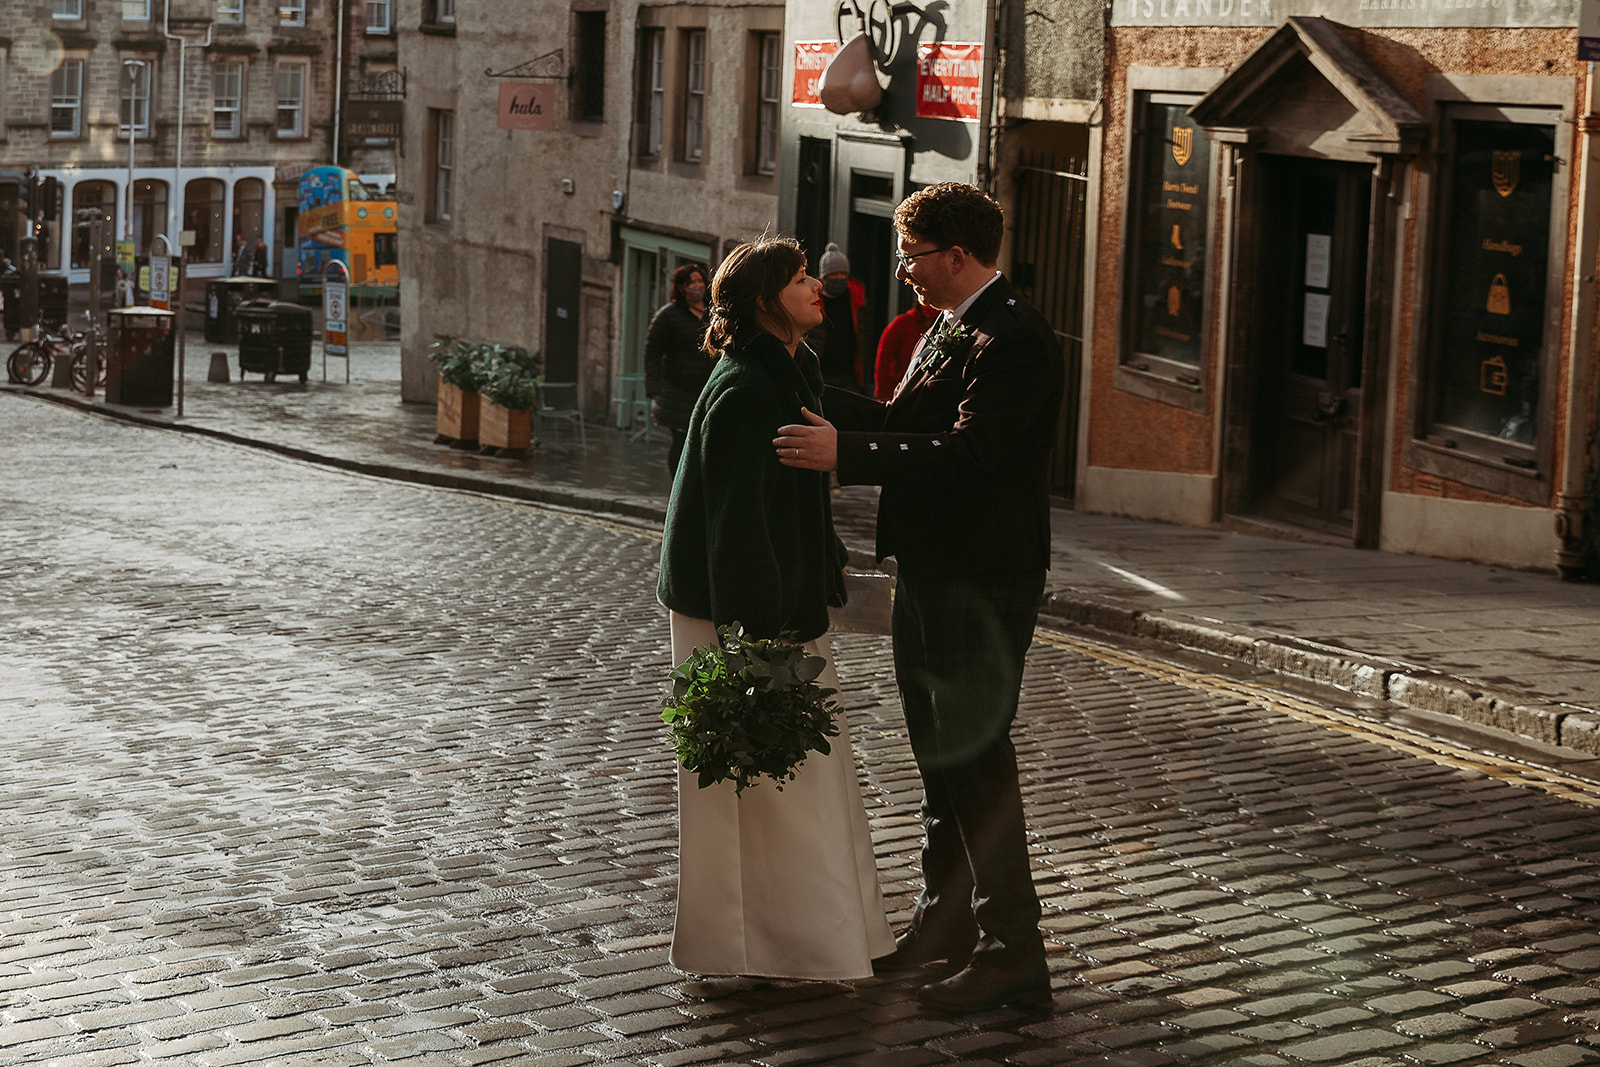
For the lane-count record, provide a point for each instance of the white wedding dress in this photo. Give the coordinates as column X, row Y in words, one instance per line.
column 777, row 884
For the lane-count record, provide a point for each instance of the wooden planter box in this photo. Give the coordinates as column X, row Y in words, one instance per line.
column 504, row 431
column 458, row 417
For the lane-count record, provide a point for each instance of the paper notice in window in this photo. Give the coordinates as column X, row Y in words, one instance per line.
column 1319, row 251
column 1314, row 332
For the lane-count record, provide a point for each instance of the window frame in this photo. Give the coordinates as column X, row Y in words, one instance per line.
column 1155, row 377
column 230, row 12
column 652, row 116
column 74, row 63
column 74, row 12
column 135, row 5
column 588, row 93
column 292, row 12
column 441, row 165
column 133, row 104
column 1518, row 471
column 302, row 127
column 384, row 28
column 218, row 67
column 693, row 147
column 768, row 101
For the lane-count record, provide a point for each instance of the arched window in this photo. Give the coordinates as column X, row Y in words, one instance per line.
column 202, row 213
column 249, row 204
column 90, row 201
column 149, row 213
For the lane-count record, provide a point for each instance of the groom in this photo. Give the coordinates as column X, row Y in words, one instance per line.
column 962, row 452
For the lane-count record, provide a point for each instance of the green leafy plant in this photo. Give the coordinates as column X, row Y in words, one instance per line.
column 748, row 707
column 510, row 375
column 457, row 361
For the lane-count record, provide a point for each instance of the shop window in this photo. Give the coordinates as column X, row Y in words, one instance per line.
column 249, row 209
column 203, row 200
column 589, row 67
column 149, row 212
column 1169, row 198
column 694, row 95
column 91, row 202
column 1485, row 394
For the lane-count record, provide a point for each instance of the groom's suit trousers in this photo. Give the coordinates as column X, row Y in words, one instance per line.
column 959, row 646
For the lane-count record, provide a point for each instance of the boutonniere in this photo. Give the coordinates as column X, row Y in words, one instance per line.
column 941, row 344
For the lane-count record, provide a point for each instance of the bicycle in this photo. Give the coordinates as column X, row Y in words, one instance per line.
column 80, row 365
column 30, row 362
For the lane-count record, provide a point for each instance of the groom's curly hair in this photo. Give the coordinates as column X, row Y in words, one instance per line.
column 954, row 213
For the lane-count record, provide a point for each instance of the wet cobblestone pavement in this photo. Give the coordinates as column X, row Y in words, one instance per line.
column 308, row 768
column 1474, row 647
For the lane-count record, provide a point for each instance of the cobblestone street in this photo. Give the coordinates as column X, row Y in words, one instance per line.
column 307, row 768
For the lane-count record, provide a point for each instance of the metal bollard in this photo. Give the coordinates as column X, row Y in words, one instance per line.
column 219, row 367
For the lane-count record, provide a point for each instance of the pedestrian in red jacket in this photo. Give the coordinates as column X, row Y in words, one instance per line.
column 899, row 340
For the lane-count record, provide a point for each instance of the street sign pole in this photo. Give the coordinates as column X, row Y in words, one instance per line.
column 185, row 242
column 335, row 315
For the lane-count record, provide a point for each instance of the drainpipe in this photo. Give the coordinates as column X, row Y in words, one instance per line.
column 338, row 82
column 1574, row 512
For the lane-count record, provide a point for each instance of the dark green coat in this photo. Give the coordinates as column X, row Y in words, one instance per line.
column 748, row 539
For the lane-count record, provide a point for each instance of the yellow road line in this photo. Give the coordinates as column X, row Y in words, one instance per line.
column 1430, row 748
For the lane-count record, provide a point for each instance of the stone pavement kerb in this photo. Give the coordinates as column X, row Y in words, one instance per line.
column 1490, row 647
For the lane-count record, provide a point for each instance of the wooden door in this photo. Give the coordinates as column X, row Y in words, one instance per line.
column 1314, row 289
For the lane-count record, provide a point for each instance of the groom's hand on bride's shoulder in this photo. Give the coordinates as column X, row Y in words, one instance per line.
column 813, row 446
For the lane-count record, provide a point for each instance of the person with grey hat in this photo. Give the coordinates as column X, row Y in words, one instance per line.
column 843, row 338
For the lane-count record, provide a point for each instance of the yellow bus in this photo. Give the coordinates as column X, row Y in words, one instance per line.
column 339, row 221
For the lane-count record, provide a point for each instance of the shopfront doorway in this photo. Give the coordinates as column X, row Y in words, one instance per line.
column 1313, row 277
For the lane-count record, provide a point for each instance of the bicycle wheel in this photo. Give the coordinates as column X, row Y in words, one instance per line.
column 29, row 364
column 80, row 367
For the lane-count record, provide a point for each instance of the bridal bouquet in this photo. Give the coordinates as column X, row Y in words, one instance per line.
column 747, row 707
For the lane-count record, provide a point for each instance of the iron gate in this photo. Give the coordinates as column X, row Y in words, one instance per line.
column 1047, row 264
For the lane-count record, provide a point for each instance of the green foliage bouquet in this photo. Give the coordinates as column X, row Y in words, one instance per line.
column 747, row 707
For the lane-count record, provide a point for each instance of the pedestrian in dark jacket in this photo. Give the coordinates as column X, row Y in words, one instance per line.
column 676, row 365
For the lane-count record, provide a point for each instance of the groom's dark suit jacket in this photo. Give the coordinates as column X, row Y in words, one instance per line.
column 963, row 449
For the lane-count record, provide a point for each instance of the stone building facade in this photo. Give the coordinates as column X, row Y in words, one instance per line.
column 562, row 158
column 1343, row 275
column 220, row 153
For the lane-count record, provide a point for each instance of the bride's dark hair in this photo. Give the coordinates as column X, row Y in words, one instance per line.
column 745, row 293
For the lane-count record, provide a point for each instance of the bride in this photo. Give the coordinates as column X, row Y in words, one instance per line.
column 778, row 884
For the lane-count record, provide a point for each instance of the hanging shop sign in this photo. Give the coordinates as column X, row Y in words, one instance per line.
column 373, row 118
column 811, row 58
column 527, row 106
column 950, row 80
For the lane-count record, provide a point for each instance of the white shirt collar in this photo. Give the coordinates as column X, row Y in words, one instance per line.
column 955, row 315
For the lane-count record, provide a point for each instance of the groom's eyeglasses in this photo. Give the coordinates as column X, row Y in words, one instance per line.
column 906, row 261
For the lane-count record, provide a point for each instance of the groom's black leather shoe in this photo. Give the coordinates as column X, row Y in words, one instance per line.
column 917, row 950
column 982, row 986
